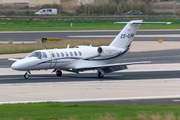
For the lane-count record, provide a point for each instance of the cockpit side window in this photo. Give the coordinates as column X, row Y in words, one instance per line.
column 44, row 55
column 37, row 54
column 30, row 55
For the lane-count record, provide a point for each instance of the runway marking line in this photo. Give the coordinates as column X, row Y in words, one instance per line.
column 23, row 78
column 94, row 99
column 113, row 75
column 100, row 36
column 150, row 57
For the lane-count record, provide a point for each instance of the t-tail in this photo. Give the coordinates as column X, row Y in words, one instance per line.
column 126, row 36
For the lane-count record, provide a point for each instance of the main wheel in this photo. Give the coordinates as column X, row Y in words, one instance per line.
column 26, row 75
column 100, row 75
column 59, row 73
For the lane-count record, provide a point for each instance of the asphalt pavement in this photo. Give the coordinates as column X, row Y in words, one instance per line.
column 158, row 87
column 33, row 36
column 71, row 77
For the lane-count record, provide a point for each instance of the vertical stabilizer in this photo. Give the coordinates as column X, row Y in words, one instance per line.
column 126, row 36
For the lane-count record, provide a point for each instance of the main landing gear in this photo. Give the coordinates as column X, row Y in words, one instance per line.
column 59, row 73
column 26, row 75
column 100, row 75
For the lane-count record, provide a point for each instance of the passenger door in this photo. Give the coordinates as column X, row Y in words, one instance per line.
column 53, row 60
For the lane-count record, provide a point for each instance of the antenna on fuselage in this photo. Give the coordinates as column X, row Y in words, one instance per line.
column 68, row 46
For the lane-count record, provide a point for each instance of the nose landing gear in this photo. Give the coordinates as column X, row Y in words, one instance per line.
column 26, row 75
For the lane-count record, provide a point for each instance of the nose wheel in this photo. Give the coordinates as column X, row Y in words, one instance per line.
column 59, row 73
column 26, row 75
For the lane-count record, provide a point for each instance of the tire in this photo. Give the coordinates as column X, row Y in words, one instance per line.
column 59, row 73
column 100, row 75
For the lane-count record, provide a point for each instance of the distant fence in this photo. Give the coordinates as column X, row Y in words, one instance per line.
column 87, row 17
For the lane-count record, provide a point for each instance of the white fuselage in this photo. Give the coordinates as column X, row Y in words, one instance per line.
column 65, row 59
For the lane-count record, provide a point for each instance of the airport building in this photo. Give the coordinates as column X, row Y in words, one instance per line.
column 15, row 3
column 42, row 2
column 69, row 5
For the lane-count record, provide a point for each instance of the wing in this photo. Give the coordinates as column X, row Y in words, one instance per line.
column 111, row 67
column 12, row 59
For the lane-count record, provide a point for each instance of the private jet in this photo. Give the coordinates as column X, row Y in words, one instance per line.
column 84, row 58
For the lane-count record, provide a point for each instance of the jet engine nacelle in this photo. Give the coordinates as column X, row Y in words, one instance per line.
column 109, row 51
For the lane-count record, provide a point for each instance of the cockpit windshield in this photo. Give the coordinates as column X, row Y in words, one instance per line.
column 36, row 54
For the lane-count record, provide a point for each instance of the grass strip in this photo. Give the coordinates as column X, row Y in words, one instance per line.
column 97, row 24
column 29, row 47
column 58, row 111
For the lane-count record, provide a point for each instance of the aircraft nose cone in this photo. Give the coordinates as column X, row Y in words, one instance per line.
column 16, row 66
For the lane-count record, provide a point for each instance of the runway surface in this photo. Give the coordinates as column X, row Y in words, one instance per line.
column 156, row 83
column 78, row 35
column 119, row 76
column 125, row 88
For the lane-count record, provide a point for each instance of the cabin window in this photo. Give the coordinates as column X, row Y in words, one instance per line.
column 36, row 54
column 52, row 54
column 44, row 55
column 44, row 10
column 80, row 53
column 75, row 53
column 57, row 54
column 66, row 54
column 62, row 54
column 71, row 53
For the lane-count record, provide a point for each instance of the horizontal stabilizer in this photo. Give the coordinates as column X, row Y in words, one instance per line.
column 140, row 22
